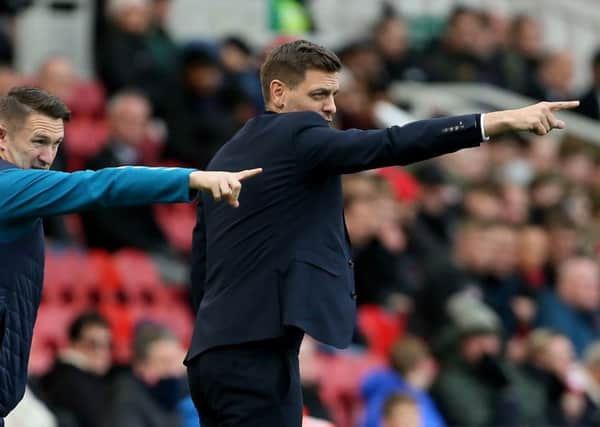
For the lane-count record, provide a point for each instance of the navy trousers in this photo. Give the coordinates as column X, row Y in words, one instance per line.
column 249, row 385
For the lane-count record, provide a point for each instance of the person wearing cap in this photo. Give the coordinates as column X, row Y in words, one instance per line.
column 473, row 386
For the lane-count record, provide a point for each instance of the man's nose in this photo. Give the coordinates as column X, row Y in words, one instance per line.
column 47, row 154
column 329, row 106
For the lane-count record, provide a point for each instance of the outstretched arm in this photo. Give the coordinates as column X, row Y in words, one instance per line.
column 34, row 193
column 322, row 149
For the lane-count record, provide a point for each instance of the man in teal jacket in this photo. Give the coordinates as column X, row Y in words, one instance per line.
column 31, row 130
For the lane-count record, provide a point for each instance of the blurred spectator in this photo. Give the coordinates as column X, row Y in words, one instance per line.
column 483, row 202
column 241, row 69
column 543, row 154
column 56, row 76
column 364, row 62
column 572, row 309
column 474, row 386
column 128, row 58
column 31, row 412
column 453, row 57
column 160, row 42
column 391, row 38
column 113, row 229
column 462, row 271
column 468, row 166
column 376, row 242
column 401, row 410
column 547, row 191
column 431, row 232
column 548, row 355
column 150, row 395
column 554, row 78
column 353, row 103
column 590, row 100
column 515, row 201
column 564, row 244
column 526, row 42
column 310, row 378
column 577, row 162
column 201, row 118
column 412, row 372
column 77, row 382
column 501, row 285
column 533, row 257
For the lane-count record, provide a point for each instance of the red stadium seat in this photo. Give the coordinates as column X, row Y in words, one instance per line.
column 84, row 138
column 177, row 222
column 88, row 100
column 51, row 327
column 138, row 276
column 380, row 328
column 70, row 278
column 343, row 373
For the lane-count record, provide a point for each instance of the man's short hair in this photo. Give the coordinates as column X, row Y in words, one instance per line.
column 395, row 400
column 407, row 353
column 147, row 334
column 290, row 61
column 86, row 320
column 22, row 101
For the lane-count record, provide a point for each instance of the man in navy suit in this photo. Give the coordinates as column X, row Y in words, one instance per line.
column 280, row 265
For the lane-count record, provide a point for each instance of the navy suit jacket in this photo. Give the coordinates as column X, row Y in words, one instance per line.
column 283, row 257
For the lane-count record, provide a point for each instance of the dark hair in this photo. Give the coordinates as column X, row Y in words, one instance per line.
column 147, row 334
column 85, row 320
column 459, row 12
column 397, row 399
column 239, row 43
column 290, row 61
column 21, row 101
column 407, row 353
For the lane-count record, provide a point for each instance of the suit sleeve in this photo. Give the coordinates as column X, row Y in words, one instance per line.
column 198, row 267
column 320, row 148
column 34, row 193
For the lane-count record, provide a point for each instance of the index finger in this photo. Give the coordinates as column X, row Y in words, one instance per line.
column 247, row 173
column 563, row 105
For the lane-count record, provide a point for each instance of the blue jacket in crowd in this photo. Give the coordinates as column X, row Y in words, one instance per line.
column 379, row 386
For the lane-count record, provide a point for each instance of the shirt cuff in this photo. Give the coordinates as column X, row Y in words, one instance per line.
column 484, row 137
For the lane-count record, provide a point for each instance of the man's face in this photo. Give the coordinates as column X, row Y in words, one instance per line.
column 95, row 344
column 404, row 415
column 164, row 361
column 315, row 93
column 130, row 119
column 34, row 144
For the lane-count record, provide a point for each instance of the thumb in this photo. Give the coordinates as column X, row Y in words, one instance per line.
column 247, row 173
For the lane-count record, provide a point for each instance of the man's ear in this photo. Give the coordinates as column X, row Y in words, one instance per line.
column 278, row 94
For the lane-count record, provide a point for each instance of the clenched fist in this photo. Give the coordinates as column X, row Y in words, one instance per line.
column 222, row 185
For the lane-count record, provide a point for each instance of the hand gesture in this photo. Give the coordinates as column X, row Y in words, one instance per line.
column 537, row 118
column 222, row 185
column 540, row 119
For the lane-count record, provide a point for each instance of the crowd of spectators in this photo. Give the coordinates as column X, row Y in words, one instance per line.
column 487, row 258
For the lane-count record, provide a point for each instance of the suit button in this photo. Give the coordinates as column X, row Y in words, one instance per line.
column 353, row 295
column 351, row 263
